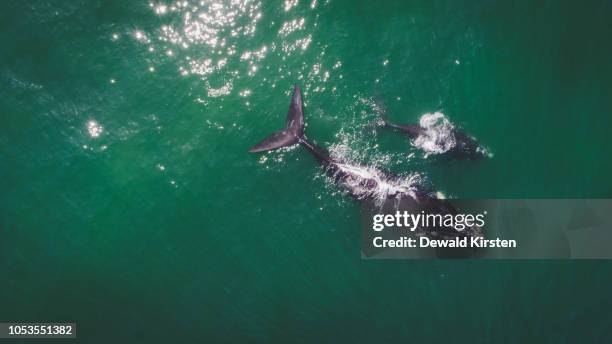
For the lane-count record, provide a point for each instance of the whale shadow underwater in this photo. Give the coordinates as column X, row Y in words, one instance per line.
column 376, row 189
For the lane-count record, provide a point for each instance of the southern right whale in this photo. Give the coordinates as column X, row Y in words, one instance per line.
column 434, row 134
column 365, row 183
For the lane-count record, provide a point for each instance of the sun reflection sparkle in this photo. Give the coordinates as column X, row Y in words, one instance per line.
column 94, row 129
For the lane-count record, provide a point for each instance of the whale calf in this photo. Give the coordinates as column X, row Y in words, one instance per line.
column 364, row 183
column 435, row 134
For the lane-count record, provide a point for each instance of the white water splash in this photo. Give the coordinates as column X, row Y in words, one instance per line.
column 438, row 137
column 360, row 178
column 386, row 187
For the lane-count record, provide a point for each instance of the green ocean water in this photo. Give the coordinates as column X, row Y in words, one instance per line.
column 129, row 203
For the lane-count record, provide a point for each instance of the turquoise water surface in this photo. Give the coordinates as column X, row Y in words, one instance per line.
column 131, row 206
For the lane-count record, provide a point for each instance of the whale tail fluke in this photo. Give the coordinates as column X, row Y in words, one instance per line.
column 293, row 131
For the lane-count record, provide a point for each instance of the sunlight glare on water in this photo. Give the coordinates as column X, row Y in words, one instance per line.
column 217, row 42
column 94, row 129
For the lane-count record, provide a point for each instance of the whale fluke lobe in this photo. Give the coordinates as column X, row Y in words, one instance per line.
column 295, row 115
column 277, row 140
column 293, row 131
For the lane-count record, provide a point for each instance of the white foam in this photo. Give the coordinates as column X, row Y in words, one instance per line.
column 437, row 136
column 357, row 176
column 385, row 187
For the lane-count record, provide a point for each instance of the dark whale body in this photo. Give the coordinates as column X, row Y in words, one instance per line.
column 363, row 183
column 465, row 146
